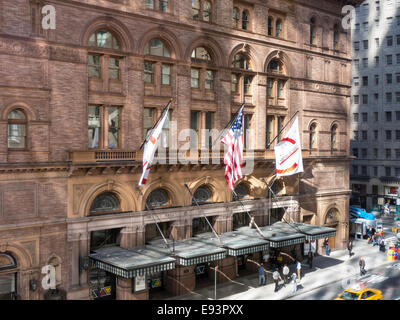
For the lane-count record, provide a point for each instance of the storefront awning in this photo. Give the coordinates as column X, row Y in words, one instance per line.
column 278, row 235
column 315, row 232
column 191, row 251
column 129, row 263
column 237, row 244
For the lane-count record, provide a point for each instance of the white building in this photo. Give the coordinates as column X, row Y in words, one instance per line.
column 375, row 103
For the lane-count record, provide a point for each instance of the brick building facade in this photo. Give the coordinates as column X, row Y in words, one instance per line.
column 76, row 102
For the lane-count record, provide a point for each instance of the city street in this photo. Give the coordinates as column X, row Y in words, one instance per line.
column 386, row 279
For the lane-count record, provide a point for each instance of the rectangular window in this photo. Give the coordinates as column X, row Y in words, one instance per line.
column 356, row 45
column 163, row 5
column 398, row 115
column 365, row 62
column 365, row 117
column 365, row 81
column 356, row 63
column 389, row 21
column 114, row 114
column 389, row 60
column 355, row 135
column 376, row 97
column 94, row 66
column 355, row 117
column 94, row 126
column 196, row 9
column 365, row 27
column 270, row 120
column 376, row 79
column 209, row 127
column 397, row 99
column 209, row 84
column 389, row 41
column 398, row 77
column 388, row 78
column 376, row 116
column 397, row 134
column 397, row 153
column 364, row 170
column 388, row 97
column 194, row 126
column 356, row 99
column 247, row 126
column 364, row 135
column 365, row 42
column 376, row 61
column 280, row 87
column 364, row 153
column 388, row 115
column 377, row 42
column 148, row 120
column 355, row 170
column 247, row 85
column 355, row 152
column 195, row 74
column 388, row 171
column 165, row 131
column 149, row 4
column 376, row 134
column 375, row 174
column 235, row 83
column 356, row 81
column 388, row 153
column 388, row 134
column 375, row 153
column 398, row 39
column 398, row 58
column 365, row 99
column 165, row 74
column 148, row 72
column 114, row 68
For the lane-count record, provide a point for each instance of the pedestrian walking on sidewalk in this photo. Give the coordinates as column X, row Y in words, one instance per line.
column 277, row 277
column 350, row 247
column 286, row 274
column 261, row 275
column 294, row 283
column 361, row 263
column 298, row 268
column 310, row 258
column 326, row 245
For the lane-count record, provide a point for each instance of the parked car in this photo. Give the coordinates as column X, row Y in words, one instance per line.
column 363, row 294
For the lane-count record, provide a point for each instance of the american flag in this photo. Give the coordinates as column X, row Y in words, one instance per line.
column 234, row 156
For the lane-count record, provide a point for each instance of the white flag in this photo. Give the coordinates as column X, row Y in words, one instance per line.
column 150, row 148
column 288, row 153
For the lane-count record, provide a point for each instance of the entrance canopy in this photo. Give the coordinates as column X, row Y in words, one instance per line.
column 235, row 243
column 315, row 232
column 191, row 251
column 129, row 263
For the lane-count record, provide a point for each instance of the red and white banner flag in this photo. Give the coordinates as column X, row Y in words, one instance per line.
column 150, row 149
column 288, row 153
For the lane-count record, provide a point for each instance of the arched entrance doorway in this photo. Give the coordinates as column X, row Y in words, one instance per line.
column 8, row 277
column 332, row 221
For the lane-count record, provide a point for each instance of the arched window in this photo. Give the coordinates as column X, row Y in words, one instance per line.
column 242, row 192
column 312, row 31
column 270, row 26
column 156, row 47
column 105, row 203
column 334, row 137
column 158, row 198
column 335, row 37
column 275, row 66
column 104, row 39
column 313, row 136
column 200, row 53
column 202, row 195
column 245, row 20
column 8, row 278
column 235, row 18
column 278, row 29
column 241, row 62
column 17, row 128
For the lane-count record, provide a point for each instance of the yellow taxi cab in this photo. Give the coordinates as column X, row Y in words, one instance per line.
column 362, row 294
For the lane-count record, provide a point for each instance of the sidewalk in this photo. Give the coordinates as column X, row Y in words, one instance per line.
column 326, row 270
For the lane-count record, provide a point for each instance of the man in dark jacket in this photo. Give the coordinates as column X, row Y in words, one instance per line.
column 362, row 266
column 350, row 247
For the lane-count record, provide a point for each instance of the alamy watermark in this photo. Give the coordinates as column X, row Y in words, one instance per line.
column 49, row 19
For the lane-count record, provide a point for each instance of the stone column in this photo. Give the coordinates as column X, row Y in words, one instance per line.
column 181, row 280
column 125, row 290
column 83, row 253
column 178, row 230
column 128, row 237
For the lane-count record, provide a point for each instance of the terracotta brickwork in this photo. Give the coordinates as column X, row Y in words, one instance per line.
column 47, row 187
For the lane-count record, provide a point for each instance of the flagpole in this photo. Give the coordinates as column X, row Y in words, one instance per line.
column 195, row 200
column 269, row 144
column 229, row 123
column 150, row 210
column 284, row 208
column 258, row 229
column 158, row 120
